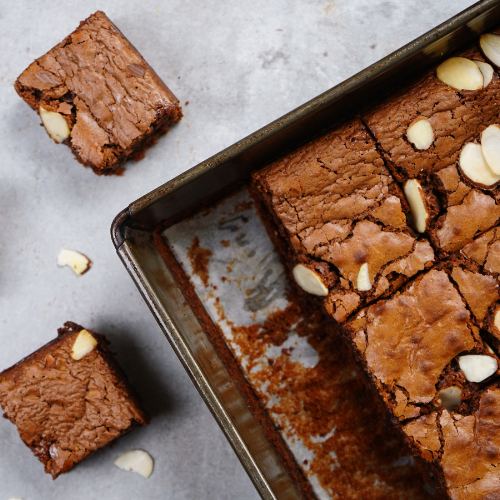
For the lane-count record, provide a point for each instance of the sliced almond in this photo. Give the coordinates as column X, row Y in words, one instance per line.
column 136, row 461
column 450, row 397
column 310, row 281
column 490, row 350
column 413, row 192
column 55, row 124
column 477, row 367
column 76, row 260
column 473, row 165
column 490, row 142
column 84, row 343
column 490, row 44
column 460, row 73
column 496, row 321
column 486, row 70
column 420, row 133
column 363, row 281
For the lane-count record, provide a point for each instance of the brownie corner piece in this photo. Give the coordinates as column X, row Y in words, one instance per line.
column 69, row 399
column 97, row 94
column 430, row 134
column 344, row 220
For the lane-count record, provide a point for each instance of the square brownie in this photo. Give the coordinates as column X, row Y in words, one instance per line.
column 428, row 360
column 97, row 94
column 454, row 207
column 343, row 218
column 69, row 399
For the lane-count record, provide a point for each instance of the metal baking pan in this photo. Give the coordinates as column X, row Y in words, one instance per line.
column 133, row 229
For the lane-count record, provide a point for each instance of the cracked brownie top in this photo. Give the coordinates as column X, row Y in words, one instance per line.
column 466, row 446
column 65, row 405
column 345, row 217
column 428, row 359
column 408, row 340
column 439, row 164
column 108, row 95
column 455, row 117
column 480, row 282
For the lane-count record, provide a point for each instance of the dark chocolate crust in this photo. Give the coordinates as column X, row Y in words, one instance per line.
column 67, row 409
column 457, row 117
column 410, row 346
column 115, row 105
column 338, row 206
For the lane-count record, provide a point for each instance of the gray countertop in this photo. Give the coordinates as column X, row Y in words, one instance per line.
column 239, row 65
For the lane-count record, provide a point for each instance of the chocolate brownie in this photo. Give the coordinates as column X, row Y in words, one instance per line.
column 344, row 219
column 69, row 399
column 96, row 93
column 429, row 362
column 457, row 207
column 465, row 445
column 479, row 284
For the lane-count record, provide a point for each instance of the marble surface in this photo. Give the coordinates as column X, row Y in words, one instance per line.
column 239, row 65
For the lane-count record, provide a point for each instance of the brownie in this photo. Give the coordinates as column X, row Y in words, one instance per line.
column 415, row 347
column 427, row 330
column 342, row 214
column 458, row 208
column 479, row 284
column 96, row 93
column 466, row 446
column 67, row 402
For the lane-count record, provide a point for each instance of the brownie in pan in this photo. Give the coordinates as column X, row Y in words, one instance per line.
column 69, row 399
column 429, row 134
column 425, row 327
column 344, row 219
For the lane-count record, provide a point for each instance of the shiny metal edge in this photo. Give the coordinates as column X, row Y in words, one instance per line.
column 203, row 384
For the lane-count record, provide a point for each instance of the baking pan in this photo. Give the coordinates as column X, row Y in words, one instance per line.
column 133, row 229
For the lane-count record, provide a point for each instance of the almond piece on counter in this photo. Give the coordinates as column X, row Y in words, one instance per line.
column 363, row 281
column 460, row 73
column 55, row 125
column 420, row 133
column 473, row 165
column 490, row 44
column 136, row 461
column 76, row 260
column 310, row 281
column 84, row 343
column 450, row 397
column 486, row 70
column 490, row 142
column 477, row 367
column 413, row 192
